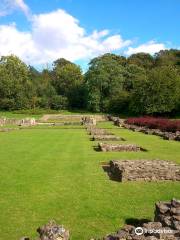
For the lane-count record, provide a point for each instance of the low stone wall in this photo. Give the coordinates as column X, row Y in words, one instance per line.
column 28, row 122
column 105, row 147
column 164, row 135
column 144, row 170
column 20, row 122
column 89, row 121
column 92, row 130
column 106, row 138
column 72, row 117
column 160, row 228
column 117, row 121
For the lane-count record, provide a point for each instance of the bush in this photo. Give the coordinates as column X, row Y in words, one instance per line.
column 119, row 103
column 156, row 123
column 59, row 102
column 7, row 104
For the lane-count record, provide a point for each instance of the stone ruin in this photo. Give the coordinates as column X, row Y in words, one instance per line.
column 89, row 121
column 98, row 131
column 117, row 121
column 19, row 122
column 28, row 122
column 71, row 117
column 51, row 231
column 106, row 147
column 168, row 213
column 106, row 138
column 157, row 132
column 143, row 170
column 166, row 225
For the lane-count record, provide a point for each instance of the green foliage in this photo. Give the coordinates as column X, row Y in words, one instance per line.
column 104, row 79
column 133, row 74
column 120, row 103
column 59, row 102
column 158, row 93
column 93, row 100
column 168, row 58
column 140, row 84
column 15, row 86
column 67, row 80
column 144, row 60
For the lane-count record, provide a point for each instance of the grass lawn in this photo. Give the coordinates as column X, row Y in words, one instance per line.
column 38, row 113
column 54, row 173
column 19, row 115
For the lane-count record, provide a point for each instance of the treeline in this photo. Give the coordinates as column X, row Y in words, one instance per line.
column 139, row 84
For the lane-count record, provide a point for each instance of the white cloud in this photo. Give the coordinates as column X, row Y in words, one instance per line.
column 54, row 35
column 149, row 47
column 15, row 42
column 22, row 6
column 58, row 34
column 8, row 6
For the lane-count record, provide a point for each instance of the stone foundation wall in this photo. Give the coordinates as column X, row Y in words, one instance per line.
column 117, row 121
column 157, row 132
column 89, row 121
column 105, row 147
column 20, row 122
column 144, row 170
column 98, row 131
column 106, row 138
column 72, row 117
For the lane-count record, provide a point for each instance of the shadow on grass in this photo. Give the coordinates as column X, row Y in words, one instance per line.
column 136, row 222
column 97, row 148
column 143, row 149
column 106, row 168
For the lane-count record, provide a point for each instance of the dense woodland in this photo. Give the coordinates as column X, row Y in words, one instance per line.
column 139, row 84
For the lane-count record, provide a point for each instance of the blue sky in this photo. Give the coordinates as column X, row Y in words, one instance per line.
column 40, row 31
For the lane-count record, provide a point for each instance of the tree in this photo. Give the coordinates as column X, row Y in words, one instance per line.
column 45, row 90
column 158, row 93
column 104, row 79
column 132, row 75
column 144, row 60
column 68, row 80
column 168, row 58
column 15, row 85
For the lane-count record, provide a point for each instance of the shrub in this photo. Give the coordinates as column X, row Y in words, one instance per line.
column 59, row 102
column 156, row 123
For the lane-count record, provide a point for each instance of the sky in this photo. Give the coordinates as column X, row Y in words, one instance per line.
column 41, row 31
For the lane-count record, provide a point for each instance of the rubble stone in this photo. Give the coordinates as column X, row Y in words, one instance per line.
column 89, row 121
column 20, row 122
column 53, row 231
column 155, row 230
column 98, row 131
column 164, row 135
column 106, row 147
column 107, row 138
column 147, row 170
